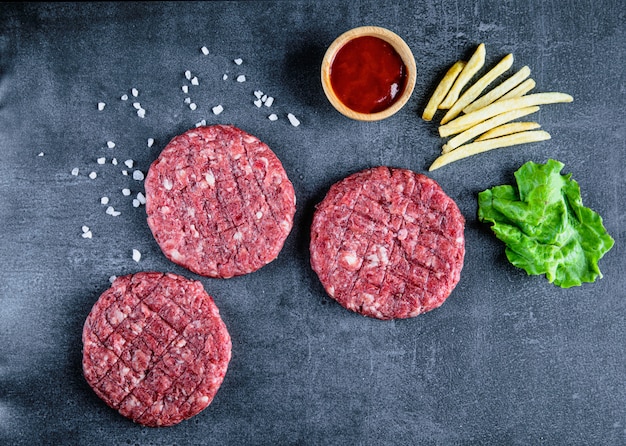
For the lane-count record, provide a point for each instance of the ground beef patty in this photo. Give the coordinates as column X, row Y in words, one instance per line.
column 388, row 243
column 219, row 202
column 155, row 348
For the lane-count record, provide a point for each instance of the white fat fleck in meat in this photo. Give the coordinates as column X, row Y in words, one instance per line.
column 383, row 255
column 259, row 215
column 350, row 261
column 167, row 184
column 238, row 236
column 175, row 254
column 402, row 234
column 191, row 212
column 116, row 317
column 372, row 260
column 210, row 179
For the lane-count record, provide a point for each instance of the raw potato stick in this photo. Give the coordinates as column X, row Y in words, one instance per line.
column 500, row 90
column 490, row 144
column 475, row 63
column 475, row 90
column 442, row 90
column 508, row 129
column 489, row 124
column 471, row 119
column 519, row 91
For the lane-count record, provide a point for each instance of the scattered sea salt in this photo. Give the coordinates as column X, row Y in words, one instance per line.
column 112, row 279
column 225, row 77
column 241, row 78
column 138, row 175
column 129, row 163
column 40, row 154
column 75, row 171
column 272, row 117
column 101, row 160
column 194, row 81
column 258, row 94
column 269, row 101
column 193, row 106
column 101, row 106
column 136, row 255
column 134, row 92
column 141, row 113
column 137, row 105
column 104, row 200
column 141, row 198
column 93, row 175
column 188, row 75
column 114, row 161
column 111, row 211
column 205, row 50
column 238, row 61
column 85, row 228
column 150, row 142
column 293, row 120
column 187, row 101
column 87, row 234
column 135, row 203
column 217, row 109
column 110, row 144
column 126, row 192
column 124, row 97
column 125, row 172
column 258, row 103
column 185, row 89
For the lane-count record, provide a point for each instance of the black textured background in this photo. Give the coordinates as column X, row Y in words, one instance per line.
column 508, row 360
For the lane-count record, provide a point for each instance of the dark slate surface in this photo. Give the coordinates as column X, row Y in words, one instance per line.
column 508, row 359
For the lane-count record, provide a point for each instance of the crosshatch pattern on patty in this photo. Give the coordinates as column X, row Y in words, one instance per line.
column 388, row 243
column 155, row 348
column 219, row 201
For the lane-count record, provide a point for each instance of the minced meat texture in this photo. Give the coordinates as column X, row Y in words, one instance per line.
column 388, row 243
column 219, row 202
column 155, row 348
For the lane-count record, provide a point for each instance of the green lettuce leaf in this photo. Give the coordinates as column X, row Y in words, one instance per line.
column 545, row 226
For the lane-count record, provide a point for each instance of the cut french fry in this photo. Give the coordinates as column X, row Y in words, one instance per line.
column 475, row 63
column 508, row 129
column 519, row 91
column 462, row 123
column 487, row 125
column 500, row 90
column 490, row 144
column 442, row 90
column 477, row 88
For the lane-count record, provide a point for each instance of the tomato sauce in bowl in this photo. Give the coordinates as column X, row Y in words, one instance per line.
column 367, row 74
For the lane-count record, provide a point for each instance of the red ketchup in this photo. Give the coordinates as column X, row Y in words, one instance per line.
column 368, row 75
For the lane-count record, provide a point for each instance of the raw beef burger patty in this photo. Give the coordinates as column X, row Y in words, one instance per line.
column 155, row 348
column 219, row 202
column 388, row 243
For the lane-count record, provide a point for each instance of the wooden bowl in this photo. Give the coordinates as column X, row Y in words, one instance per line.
column 401, row 48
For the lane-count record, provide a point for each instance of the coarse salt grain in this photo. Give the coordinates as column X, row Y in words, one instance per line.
column 135, row 203
column 217, row 109
column 87, row 234
column 205, row 50
column 126, row 192
column 150, row 142
column 224, row 77
column 112, row 279
column 188, row 75
column 125, row 172
column 85, row 228
column 201, row 123
column 75, row 171
column 101, row 106
column 134, row 92
column 269, row 101
column 114, row 161
column 104, row 200
column 194, row 81
column 93, row 175
column 138, row 175
column 136, row 255
column 124, row 97
column 110, row 144
column 238, row 61
column 40, row 154
column 187, row 101
column 111, row 211
column 241, row 78
column 272, row 117
column 293, row 120
column 185, row 89
column 193, row 106
column 141, row 113
column 258, row 103
column 101, row 160
column 258, row 94
column 129, row 163
column 141, row 198
column 137, row 105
